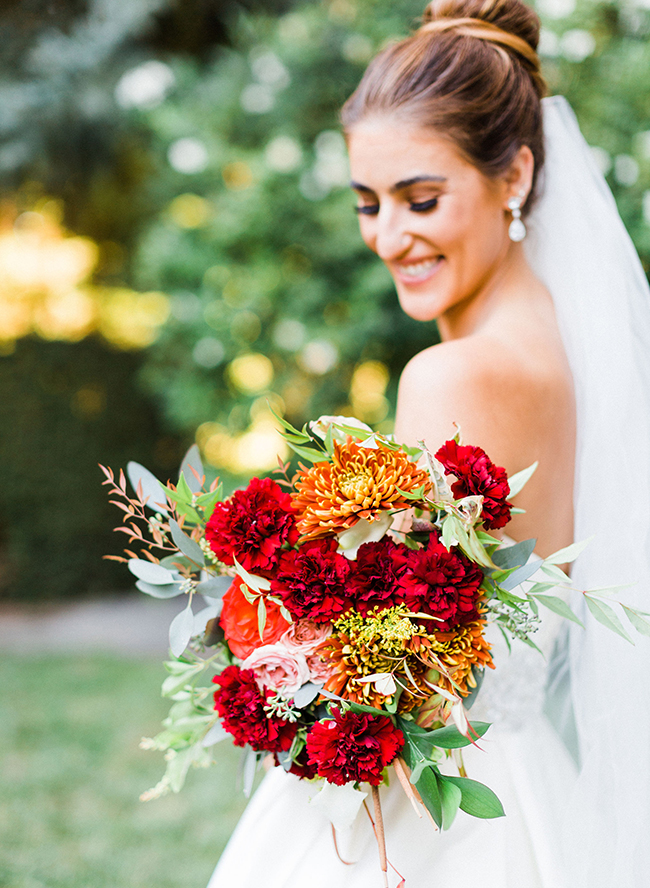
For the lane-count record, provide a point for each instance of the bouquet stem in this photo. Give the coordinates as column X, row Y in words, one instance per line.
column 379, row 831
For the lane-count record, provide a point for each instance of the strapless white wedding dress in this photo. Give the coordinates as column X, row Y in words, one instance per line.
column 283, row 842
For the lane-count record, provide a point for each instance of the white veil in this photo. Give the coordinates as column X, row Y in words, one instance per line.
column 579, row 247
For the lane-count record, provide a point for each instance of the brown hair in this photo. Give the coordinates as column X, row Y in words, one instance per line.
column 471, row 72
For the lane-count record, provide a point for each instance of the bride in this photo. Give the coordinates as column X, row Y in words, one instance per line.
column 486, row 207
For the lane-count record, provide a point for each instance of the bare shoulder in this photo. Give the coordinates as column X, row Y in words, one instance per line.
column 507, row 397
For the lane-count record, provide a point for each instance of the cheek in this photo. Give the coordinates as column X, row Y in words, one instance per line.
column 368, row 232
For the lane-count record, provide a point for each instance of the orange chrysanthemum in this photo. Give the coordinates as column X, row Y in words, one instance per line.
column 359, row 482
column 459, row 650
column 382, row 642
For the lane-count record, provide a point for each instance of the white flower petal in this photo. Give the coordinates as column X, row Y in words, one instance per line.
column 340, row 804
column 364, row 531
column 443, row 693
column 460, row 719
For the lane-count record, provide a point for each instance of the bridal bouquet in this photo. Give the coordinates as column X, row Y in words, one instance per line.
column 322, row 641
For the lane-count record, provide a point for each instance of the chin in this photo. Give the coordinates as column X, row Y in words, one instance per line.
column 421, row 307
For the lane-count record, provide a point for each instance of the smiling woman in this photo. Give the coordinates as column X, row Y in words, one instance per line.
column 449, row 225
column 446, row 142
column 444, row 229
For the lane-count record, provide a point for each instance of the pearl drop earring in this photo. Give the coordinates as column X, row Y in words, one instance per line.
column 516, row 229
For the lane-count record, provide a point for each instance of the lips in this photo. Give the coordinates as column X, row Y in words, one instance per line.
column 417, row 272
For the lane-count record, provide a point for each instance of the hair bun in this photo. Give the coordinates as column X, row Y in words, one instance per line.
column 512, row 16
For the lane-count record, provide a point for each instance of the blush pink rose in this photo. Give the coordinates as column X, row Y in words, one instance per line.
column 319, row 669
column 305, row 636
column 278, row 668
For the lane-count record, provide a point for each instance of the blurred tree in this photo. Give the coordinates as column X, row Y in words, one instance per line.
column 273, row 294
column 196, row 143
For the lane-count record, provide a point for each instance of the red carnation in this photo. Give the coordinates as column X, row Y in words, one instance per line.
column 477, row 475
column 353, row 747
column 240, row 622
column 375, row 576
column 312, row 581
column 241, row 705
column 252, row 526
column 441, row 583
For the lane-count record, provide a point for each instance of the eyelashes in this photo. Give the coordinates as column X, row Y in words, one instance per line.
column 422, row 207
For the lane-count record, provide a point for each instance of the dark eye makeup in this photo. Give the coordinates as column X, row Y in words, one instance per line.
column 415, row 207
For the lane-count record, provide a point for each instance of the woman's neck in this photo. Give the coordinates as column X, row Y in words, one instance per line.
column 508, row 283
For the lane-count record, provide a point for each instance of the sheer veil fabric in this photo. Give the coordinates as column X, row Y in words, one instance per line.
column 579, row 248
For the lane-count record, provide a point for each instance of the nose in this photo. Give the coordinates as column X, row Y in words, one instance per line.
column 393, row 237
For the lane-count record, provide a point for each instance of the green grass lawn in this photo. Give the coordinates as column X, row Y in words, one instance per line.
column 71, row 773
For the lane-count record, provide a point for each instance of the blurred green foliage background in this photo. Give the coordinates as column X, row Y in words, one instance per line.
column 178, row 247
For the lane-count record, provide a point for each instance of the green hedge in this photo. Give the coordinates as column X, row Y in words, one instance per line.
column 63, row 409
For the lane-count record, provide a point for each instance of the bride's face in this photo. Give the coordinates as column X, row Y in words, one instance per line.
column 438, row 223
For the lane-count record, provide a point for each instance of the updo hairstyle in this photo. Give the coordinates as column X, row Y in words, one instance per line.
column 471, row 72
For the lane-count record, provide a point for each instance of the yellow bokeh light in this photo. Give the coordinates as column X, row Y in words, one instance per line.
column 255, row 450
column 251, row 373
column 69, row 316
column 45, row 287
column 237, row 175
column 367, row 391
column 15, row 317
column 129, row 319
column 189, row 211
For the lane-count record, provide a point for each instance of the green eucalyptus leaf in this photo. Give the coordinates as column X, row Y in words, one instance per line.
column 150, row 572
column 181, row 630
column 174, row 683
column 554, row 572
column 519, row 575
column 249, row 768
column 640, row 623
column 568, row 554
column 183, row 492
column 477, row 800
column 216, row 733
column 450, row 737
column 427, row 786
column 167, row 591
column 187, row 546
column 558, row 606
column 214, row 587
column 261, row 617
column 306, row 694
column 207, row 501
column 607, row 616
column 152, row 490
column 420, row 765
column 310, row 455
column 470, row 699
column 514, row 556
column 192, row 460
column 520, row 479
column 450, row 799
column 361, row 707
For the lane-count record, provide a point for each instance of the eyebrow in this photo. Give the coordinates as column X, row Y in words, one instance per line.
column 399, row 186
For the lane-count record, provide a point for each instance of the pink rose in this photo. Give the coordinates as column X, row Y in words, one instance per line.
column 278, row 668
column 305, row 636
column 319, row 669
